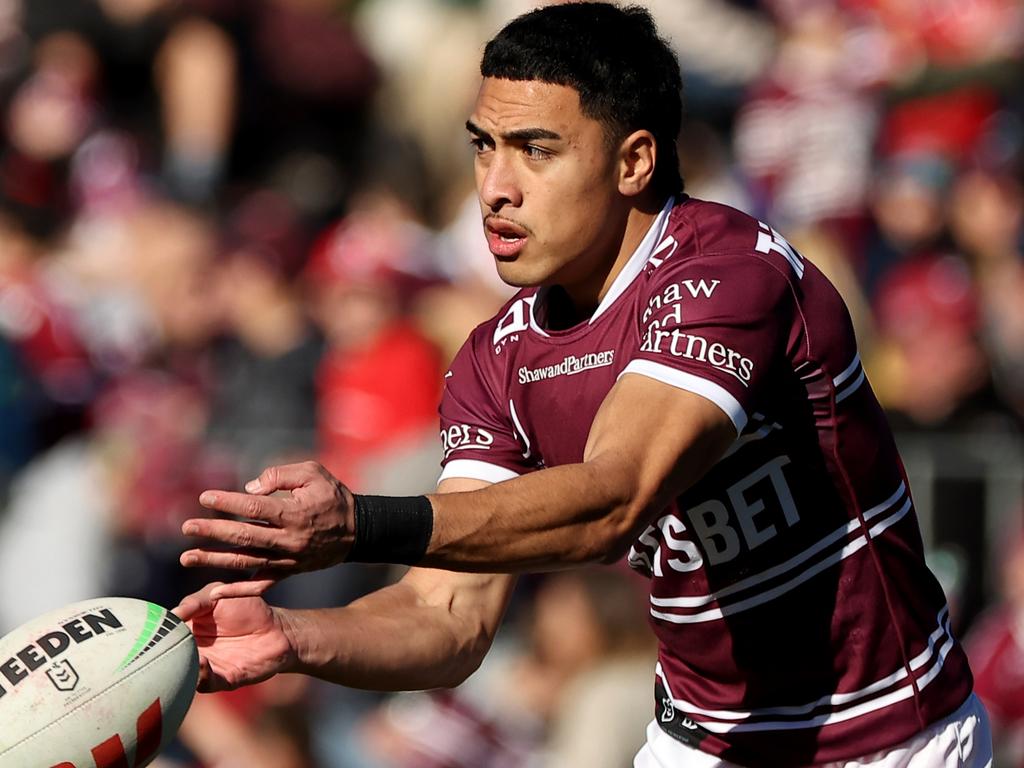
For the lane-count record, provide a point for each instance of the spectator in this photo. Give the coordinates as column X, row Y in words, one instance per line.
column 996, row 649
column 379, row 380
column 264, row 365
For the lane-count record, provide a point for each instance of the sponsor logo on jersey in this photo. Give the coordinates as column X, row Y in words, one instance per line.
column 675, row 293
column 770, row 241
column 753, row 511
column 570, row 366
column 666, row 248
column 690, row 346
column 53, row 644
column 461, row 437
column 513, row 322
column 664, row 337
column 672, row 719
column 668, row 710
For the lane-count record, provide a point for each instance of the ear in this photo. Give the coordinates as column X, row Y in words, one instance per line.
column 637, row 155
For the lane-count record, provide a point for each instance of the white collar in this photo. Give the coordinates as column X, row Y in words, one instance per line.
column 637, row 261
column 633, row 267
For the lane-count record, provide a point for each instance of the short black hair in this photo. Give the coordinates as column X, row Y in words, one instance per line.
column 628, row 78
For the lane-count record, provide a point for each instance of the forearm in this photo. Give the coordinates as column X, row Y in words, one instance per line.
column 648, row 444
column 401, row 637
column 554, row 518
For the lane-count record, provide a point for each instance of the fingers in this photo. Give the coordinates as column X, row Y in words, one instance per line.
column 285, row 477
column 243, row 505
column 233, row 559
column 239, row 534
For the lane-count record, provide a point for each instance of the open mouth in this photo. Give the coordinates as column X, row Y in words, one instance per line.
column 504, row 238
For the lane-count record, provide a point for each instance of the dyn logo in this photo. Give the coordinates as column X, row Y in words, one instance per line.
column 63, row 676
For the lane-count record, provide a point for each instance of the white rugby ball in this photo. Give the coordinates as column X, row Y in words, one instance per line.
column 102, row 683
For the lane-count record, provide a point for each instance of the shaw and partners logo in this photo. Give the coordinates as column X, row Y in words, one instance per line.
column 663, row 336
column 570, row 366
column 680, row 344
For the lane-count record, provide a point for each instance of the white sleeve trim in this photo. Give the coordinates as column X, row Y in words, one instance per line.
column 473, row 469
column 691, row 383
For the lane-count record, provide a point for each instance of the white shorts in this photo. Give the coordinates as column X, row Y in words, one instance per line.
column 962, row 740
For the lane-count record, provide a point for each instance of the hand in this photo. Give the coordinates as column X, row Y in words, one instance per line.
column 309, row 529
column 241, row 640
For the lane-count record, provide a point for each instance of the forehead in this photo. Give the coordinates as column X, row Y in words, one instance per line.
column 507, row 105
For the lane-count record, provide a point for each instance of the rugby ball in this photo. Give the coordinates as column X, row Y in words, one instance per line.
column 103, row 683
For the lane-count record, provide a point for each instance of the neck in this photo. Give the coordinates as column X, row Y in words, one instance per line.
column 587, row 295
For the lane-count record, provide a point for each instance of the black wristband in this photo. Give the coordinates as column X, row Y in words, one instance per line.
column 391, row 529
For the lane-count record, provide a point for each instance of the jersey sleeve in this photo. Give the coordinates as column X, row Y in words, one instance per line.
column 477, row 436
column 715, row 326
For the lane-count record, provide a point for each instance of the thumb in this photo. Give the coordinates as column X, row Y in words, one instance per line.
column 197, row 603
column 254, row 587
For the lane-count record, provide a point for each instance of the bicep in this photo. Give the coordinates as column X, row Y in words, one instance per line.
column 661, row 439
column 697, row 374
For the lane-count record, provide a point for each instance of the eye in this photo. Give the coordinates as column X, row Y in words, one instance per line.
column 534, row 152
column 479, row 144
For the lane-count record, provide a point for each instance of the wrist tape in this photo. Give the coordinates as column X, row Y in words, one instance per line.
column 391, row 529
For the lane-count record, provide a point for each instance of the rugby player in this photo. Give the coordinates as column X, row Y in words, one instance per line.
column 673, row 382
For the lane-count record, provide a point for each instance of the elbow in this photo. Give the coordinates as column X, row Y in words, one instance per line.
column 628, row 499
column 461, row 670
column 615, row 551
column 617, row 543
column 470, row 649
column 614, row 534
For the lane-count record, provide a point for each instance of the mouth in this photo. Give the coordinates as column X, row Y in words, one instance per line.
column 505, row 238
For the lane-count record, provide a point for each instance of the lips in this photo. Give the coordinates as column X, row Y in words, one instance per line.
column 505, row 239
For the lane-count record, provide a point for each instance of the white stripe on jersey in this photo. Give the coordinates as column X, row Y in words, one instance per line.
column 638, row 260
column 849, row 389
column 473, row 469
column 519, row 429
column 844, row 706
column 838, row 380
column 840, row 396
column 751, row 437
column 823, row 544
column 706, row 388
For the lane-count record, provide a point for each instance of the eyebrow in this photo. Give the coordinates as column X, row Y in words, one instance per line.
column 522, row 134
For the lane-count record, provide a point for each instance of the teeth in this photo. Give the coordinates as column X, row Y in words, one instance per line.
column 509, row 238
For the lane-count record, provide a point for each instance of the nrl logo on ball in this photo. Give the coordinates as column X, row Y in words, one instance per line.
column 63, row 676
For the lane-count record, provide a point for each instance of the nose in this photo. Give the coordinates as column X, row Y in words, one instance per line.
column 498, row 182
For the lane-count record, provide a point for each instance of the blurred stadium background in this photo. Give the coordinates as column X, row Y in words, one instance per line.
column 238, row 232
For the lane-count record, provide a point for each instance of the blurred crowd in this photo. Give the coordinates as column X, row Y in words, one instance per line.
column 243, row 232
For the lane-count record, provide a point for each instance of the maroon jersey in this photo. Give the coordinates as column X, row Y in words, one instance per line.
column 797, row 620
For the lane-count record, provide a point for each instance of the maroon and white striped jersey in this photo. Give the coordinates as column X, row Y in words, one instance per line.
column 797, row 620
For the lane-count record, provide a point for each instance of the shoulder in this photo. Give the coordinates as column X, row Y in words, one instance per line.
column 718, row 255
column 713, row 227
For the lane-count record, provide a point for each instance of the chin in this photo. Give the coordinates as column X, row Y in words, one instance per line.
column 518, row 275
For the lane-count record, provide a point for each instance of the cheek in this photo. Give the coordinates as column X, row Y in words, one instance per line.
column 580, row 219
column 575, row 202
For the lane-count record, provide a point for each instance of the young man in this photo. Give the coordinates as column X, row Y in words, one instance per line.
column 674, row 376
